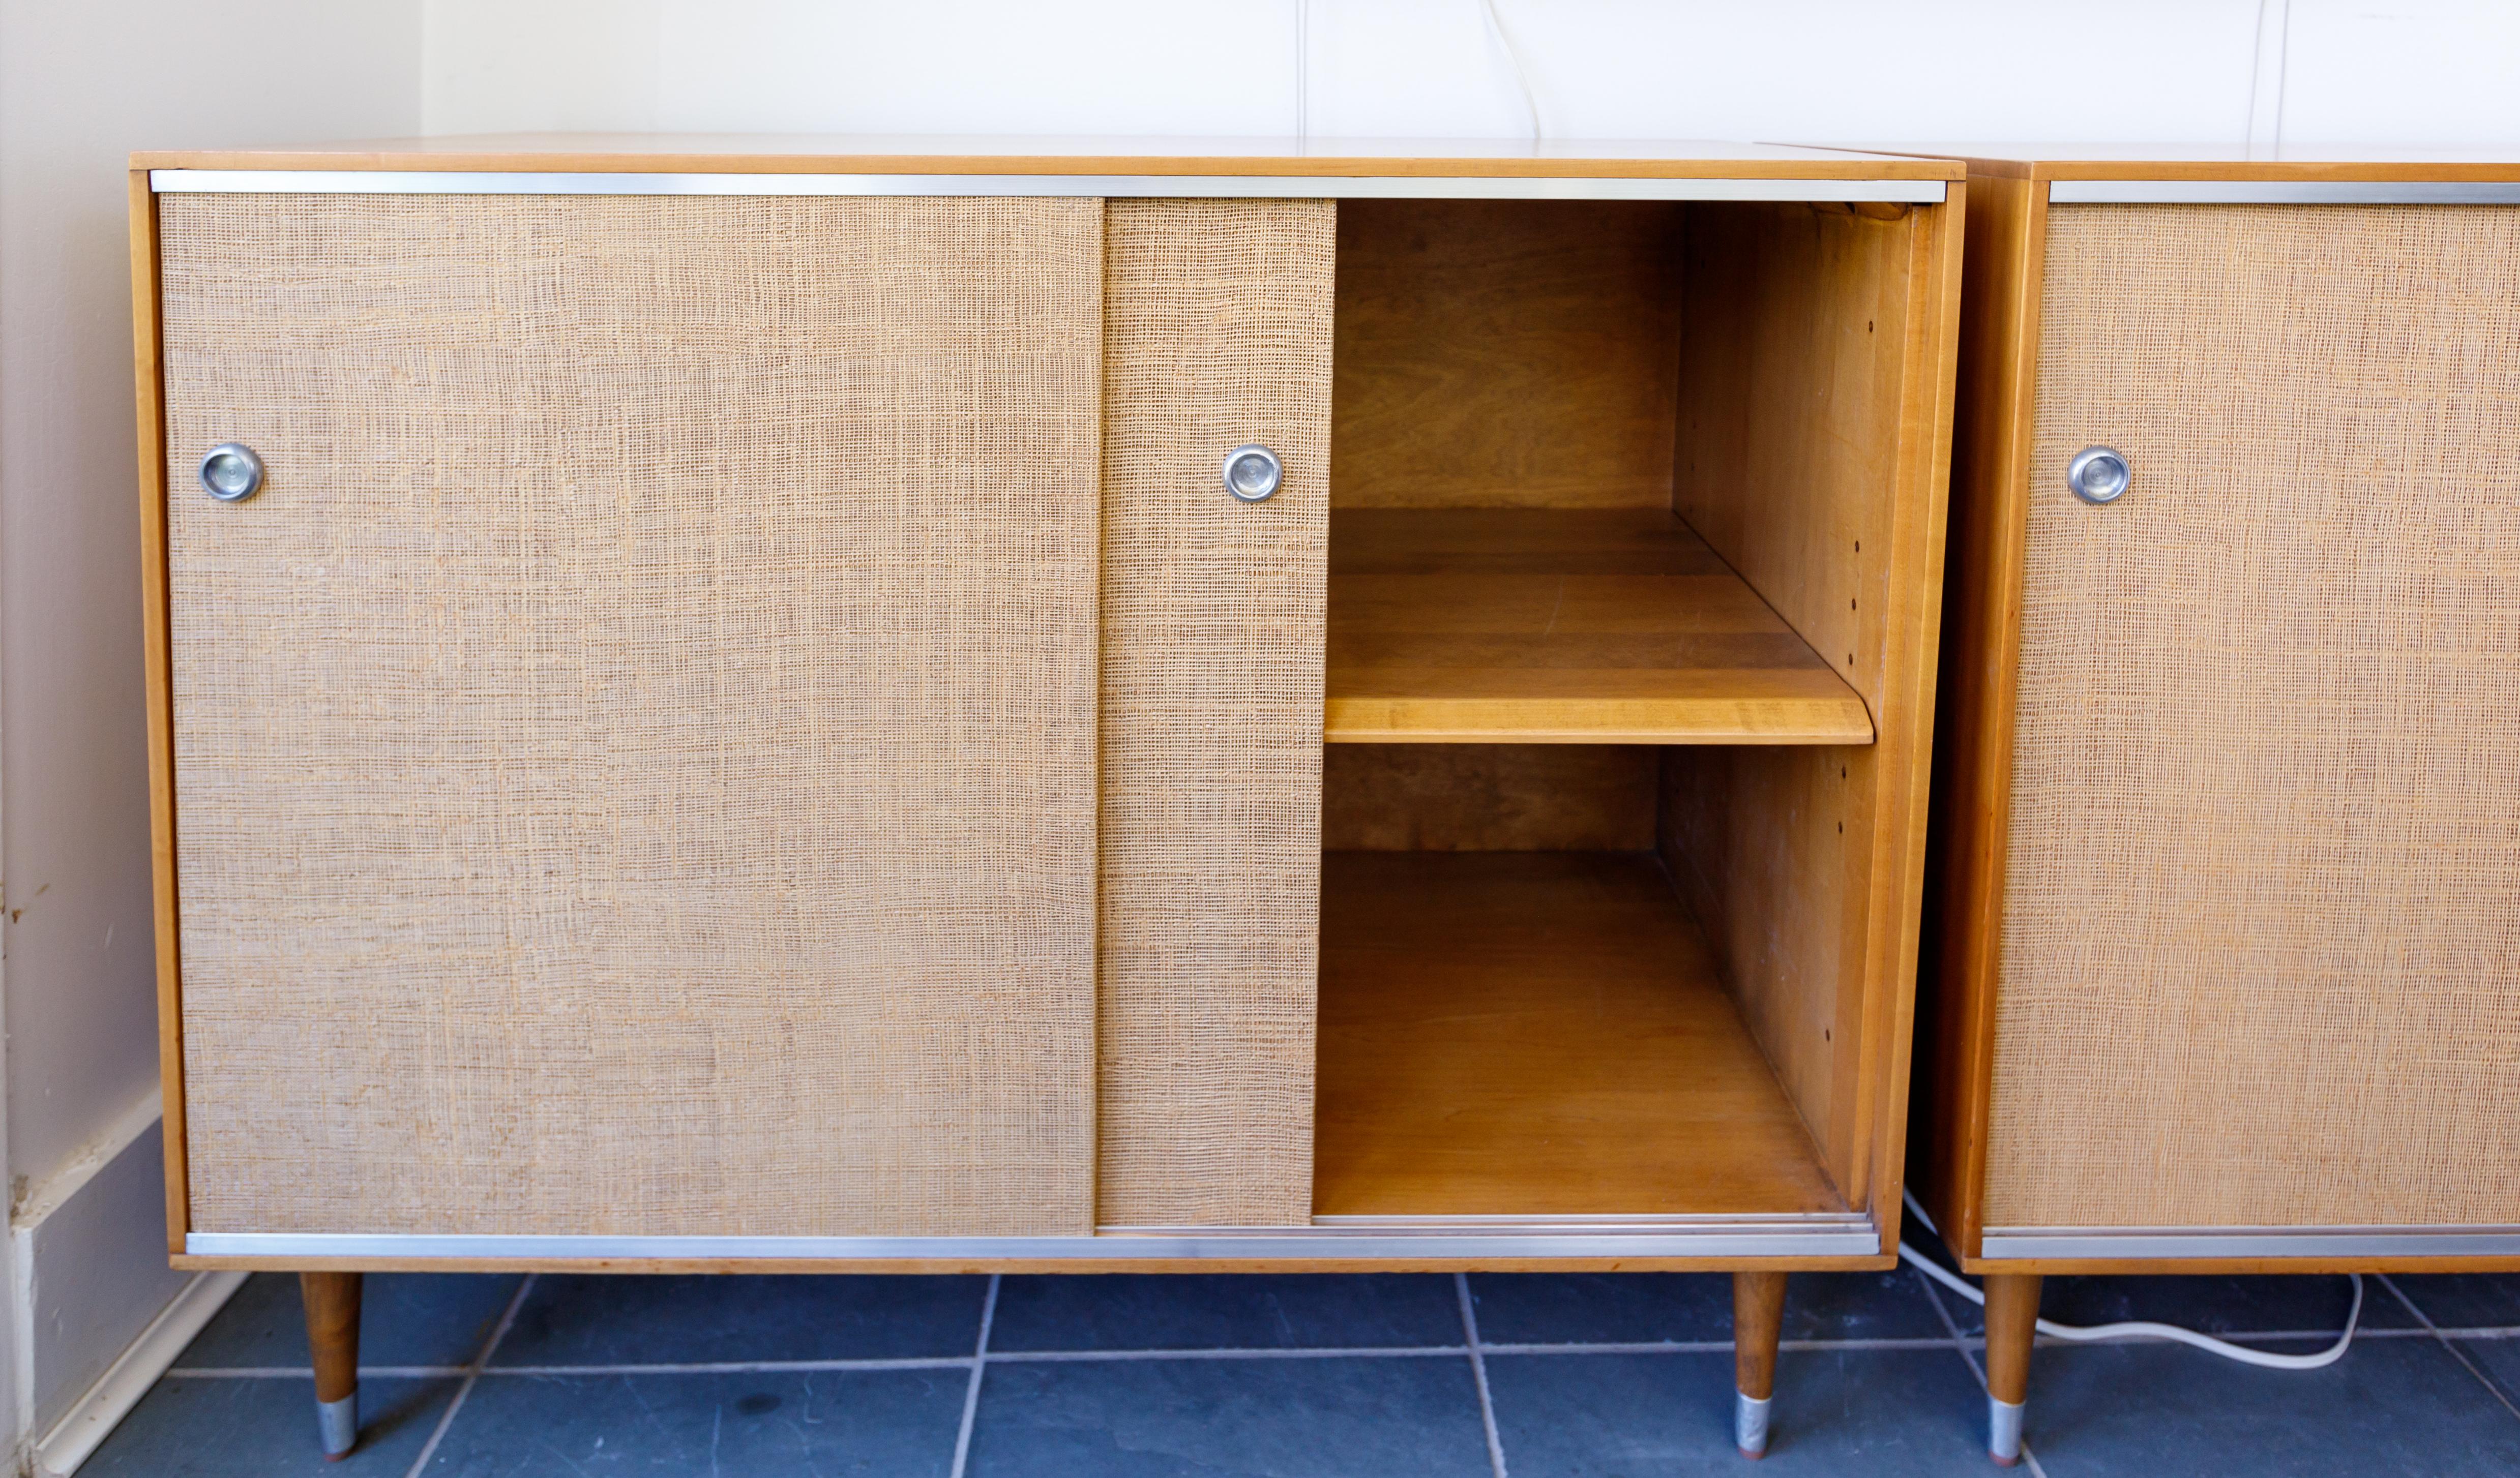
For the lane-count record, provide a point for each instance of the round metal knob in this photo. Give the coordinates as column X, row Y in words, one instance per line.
column 231, row 472
column 2098, row 474
column 1252, row 473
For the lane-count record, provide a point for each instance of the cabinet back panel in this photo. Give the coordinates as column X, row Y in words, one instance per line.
column 635, row 759
column 1219, row 333
column 1506, row 354
column 1488, row 797
column 2261, row 954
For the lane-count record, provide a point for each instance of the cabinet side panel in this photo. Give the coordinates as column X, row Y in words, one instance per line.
column 1813, row 364
column 635, row 755
column 2260, row 954
column 148, row 395
column 1972, row 752
column 1218, row 334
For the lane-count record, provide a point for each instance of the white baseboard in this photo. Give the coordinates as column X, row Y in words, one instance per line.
column 90, row 1288
column 104, row 1405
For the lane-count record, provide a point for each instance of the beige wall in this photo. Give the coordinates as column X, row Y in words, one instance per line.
column 81, row 84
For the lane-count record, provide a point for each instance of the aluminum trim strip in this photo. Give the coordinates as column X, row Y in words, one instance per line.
column 2283, row 193
column 2002, row 1242
column 1255, row 1244
column 1125, row 186
column 1587, row 1222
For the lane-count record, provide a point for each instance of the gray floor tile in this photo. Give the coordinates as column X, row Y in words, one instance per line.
column 2499, row 1360
column 1637, row 1308
column 405, row 1319
column 266, row 1429
column 594, row 1320
column 1326, row 1418
column 1884, row 1413
column 1225, row 1312
column 2465, row 1300
column 821, row 1425
column 2389, row 1406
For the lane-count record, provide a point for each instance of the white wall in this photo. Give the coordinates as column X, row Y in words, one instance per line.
column 82, row 85
column 2412, row 72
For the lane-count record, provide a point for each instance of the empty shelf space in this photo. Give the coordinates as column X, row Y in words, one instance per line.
column 1565, row 626
column 1537, row 1034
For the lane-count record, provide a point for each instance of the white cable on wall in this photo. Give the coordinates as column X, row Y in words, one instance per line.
column 2084, row 1333
column 2267, row 79
column 1523, row 78
column 1303, row 71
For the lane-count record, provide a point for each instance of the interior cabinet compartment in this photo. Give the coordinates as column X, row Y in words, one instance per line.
column 1521, row 1016
column 1632, row 575
column 1597, row 469
column 1537, row 1034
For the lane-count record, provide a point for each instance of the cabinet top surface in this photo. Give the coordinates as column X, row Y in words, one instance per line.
column 879, row 153
column 2226, row 161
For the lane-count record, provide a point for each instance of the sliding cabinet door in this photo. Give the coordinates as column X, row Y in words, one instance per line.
column 1218, row 335
column 2260, row 959
column 635, row 756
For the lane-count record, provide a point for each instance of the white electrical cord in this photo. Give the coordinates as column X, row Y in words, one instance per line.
column 1523, row 78
column 1304, row 70
column 2079, row 1333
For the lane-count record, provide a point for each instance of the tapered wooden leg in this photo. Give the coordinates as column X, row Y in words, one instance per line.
column 1758, row 1318
column 2011, row 1324
column 332, row 1331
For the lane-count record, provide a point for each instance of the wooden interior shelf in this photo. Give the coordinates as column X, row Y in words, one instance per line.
column 1537, row 1034
column 1563, row 626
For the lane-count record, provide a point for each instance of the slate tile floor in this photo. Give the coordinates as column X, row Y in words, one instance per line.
column 1390, row 1376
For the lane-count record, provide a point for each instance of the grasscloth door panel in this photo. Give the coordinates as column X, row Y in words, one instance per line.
column 2261, row 963
column 1219, row 333
column 634, row 758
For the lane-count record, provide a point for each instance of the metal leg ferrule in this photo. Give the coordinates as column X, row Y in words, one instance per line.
column 336, row 1423
column 2004, row 1430
column 1750, row 1424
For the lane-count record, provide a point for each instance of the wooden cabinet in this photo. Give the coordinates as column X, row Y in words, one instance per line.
column 744, row 726
column 2224, row 972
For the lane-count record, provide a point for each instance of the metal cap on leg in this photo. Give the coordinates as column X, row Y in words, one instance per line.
column 336, row 1423
column 2004, row 1430
column 1750, row 1424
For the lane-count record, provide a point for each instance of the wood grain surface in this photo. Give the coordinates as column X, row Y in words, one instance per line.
column 1537, row 1034
column 1561, row 626
column 1506, row 354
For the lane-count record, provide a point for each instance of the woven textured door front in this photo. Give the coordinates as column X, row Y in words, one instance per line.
column 634, row 758
column 1212, row 624
column 2261, row 962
